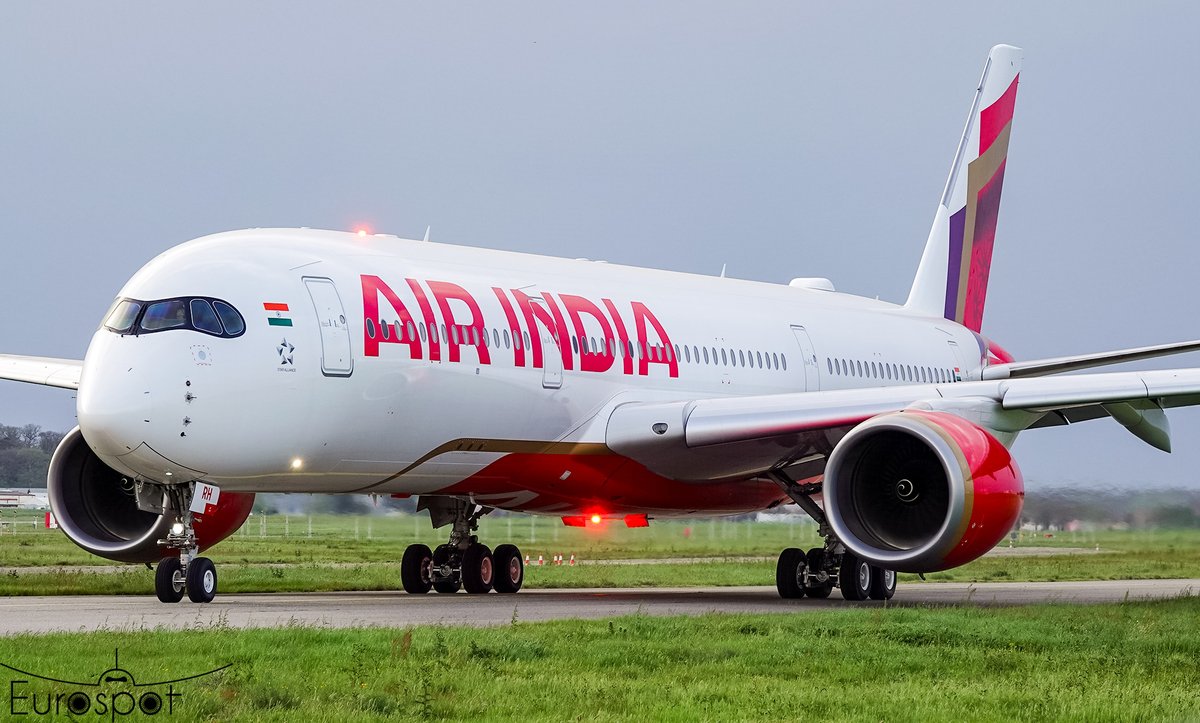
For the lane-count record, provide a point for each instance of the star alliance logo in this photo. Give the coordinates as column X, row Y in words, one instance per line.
column 285, row 353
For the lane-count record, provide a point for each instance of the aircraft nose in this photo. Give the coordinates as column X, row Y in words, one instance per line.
column 115, row 401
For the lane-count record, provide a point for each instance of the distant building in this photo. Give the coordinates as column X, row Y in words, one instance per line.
column 24, row 499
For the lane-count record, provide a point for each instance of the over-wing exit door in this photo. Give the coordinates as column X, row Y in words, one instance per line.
column 336, row 359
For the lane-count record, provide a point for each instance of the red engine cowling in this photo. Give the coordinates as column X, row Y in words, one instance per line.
column 95, row 506
column 921, row 491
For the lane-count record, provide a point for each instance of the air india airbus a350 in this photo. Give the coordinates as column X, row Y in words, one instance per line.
column 293, row 360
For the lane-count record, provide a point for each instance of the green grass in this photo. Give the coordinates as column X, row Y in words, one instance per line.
column 362, row 553
column 1135, row 661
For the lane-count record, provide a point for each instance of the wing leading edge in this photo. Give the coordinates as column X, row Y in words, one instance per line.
column 61, row 373
column 784, row 428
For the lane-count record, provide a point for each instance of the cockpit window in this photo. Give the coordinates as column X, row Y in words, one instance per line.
column 230, row 318
column 165, row 315
column 204, row 318
column 211, row 316
column 123, row 315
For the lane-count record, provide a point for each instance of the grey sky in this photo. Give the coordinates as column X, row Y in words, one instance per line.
column 783, row 139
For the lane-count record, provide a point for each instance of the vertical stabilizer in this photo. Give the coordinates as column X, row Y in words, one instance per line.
column 953, row 276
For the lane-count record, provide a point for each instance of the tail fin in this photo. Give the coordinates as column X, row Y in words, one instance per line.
column 953, row 276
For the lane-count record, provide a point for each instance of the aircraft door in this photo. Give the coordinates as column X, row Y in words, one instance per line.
column 552, row 365
column 336, row 358
column 960, row 369
column 808, row 358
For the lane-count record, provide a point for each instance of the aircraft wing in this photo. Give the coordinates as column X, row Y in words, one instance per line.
column 62, row 373
column 773, row 430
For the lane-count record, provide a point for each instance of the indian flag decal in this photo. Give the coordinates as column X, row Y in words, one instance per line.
column 278, row 314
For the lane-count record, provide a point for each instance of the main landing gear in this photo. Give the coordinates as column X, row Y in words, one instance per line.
column 463, row 562
column 815, row 573
column 186, row 572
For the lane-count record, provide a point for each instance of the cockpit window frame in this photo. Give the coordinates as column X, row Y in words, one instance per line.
column 136, row 329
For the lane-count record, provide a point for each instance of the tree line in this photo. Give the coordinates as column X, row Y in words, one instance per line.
column 25, row 455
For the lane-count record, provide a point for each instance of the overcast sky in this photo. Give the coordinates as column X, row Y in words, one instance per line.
column 790, row 139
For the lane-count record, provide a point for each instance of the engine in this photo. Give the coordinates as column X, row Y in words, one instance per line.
column 95, row 505
column 921, row 491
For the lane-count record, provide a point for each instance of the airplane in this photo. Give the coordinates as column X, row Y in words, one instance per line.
column 298, row 360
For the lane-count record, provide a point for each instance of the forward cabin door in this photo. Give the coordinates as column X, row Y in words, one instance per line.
column 336, row 359
column 552, row 364
column 808, row 360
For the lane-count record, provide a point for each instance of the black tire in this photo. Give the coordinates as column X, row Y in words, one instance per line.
column 883, row 584
column 478, row 572
column 168, row 580
column 201, row 580
column 816, row 562
column 415, row 569
column 789, row 573
column 509, row 567
column 854, row 578
column 450, row 585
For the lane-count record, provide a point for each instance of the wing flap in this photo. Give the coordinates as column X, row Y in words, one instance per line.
column 61, row 373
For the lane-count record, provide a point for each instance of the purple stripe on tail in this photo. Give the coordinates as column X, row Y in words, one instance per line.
column 958, row 225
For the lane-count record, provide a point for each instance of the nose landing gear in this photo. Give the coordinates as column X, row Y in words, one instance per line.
column 463, row 562
column 184, row 572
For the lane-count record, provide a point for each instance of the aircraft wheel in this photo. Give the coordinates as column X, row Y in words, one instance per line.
column 477, row 569
column 442, row 556
column 509, row 567
column 816, row 562
column 201, row 580
column 168, row 580
column 854, row 578
column 416, row 569
column 789, row 573
column 883, row 583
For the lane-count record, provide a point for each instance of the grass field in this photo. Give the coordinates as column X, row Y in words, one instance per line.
column 1135, row 661
column 277, row 554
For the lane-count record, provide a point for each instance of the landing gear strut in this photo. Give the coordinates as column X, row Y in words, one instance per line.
column 185, row 571
column 463, row 562
column 815, row 573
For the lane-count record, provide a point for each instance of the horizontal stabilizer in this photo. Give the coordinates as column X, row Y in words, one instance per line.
column 1058, row 365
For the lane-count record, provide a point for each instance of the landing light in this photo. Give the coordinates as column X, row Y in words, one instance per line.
column 297, row 463
column 596, row 519
column 362, row 232
column 177, row 528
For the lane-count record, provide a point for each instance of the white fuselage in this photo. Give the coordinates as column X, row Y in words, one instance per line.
column 329, row 404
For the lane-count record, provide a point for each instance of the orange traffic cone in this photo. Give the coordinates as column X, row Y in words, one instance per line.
column 572, row 561
column 541, row 561
column 527, row 561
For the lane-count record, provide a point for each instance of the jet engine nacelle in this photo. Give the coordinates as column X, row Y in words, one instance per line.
column 95, row 505
column 921, row 491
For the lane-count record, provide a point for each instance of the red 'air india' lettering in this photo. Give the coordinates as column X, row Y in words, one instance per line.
column 588, row 361
column 468, row 329
column 665, row 355
column 435, row 347
column 372, row 287
column 551, row 318
column 513, row 326
column 622, row 336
